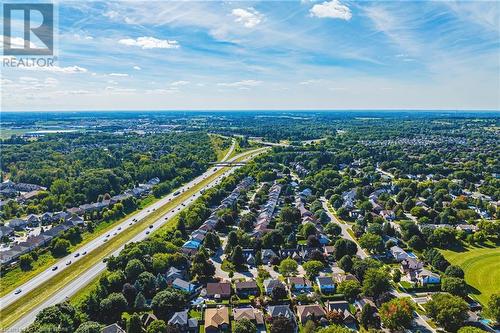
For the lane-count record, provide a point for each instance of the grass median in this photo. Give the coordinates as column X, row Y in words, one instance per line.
column 24, row 305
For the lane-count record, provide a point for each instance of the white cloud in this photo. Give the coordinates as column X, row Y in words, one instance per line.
column 119, row 74
column 331, row 9
column 150, row 43
column 56, row 69
column 309, row 82
column 17, row 42
column 248, row 17
column 240, row 84
column 137, row 68
column 179, row 83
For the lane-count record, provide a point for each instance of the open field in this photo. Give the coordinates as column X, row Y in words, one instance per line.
column 482, row 269
column 22, row 306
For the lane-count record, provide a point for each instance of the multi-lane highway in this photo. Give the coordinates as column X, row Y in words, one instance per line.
column 84, row 278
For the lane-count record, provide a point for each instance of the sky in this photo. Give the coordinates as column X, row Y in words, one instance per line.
column 218, row 55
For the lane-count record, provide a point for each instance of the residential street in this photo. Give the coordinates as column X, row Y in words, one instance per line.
column 345, row 234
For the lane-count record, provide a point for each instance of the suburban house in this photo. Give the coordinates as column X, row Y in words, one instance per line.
column 329, row 250
column 183, row 285
column 6, row 231
column 300, row 284
column 310, row 311
column 182, row 322
column 174, row 273
column 249, row 313
column 425, row 277
column 398, row 253
column 341, row 277
column 326, row 284
column 217, row 319
column 343, row 308
column 281, row 310
column 249, row 256
column 219, row 290
column 246, row 288
column 113, row 328
column 409, row 265
column 270, row 284
column 267, row 255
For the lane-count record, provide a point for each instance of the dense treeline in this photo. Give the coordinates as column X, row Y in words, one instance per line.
column 81, row 168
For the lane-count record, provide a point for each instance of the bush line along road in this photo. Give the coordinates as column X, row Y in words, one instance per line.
column 19, row 311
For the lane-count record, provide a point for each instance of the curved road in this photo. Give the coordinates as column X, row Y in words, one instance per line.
column 82, row 280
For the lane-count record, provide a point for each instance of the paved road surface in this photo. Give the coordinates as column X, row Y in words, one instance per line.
column 345, row 234
column 60, row 265
column 87, row 276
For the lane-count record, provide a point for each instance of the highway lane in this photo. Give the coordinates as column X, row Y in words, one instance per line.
column 82, row 280
column 85, row 249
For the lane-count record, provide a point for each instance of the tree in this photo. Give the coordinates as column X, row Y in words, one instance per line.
column 112, row 307
column 372, row 242
column 334, row 329
column 454, row 271
column 447, row 310
column 350, row 289
column 237, row 258
column 312, row 268
column 397, row 314
column 60, row 247
column 308, row 229
column 244, row 326
column 157, row 326
column 454, row 286
column 333, row 229
column 134, row 324
column 345, row 263
column 278, row 292
column 290, row 215
column 288, row 266
column 344, row 247
column 309, row 326
column 281, row 324
column 470, row 329
column 25, row 262
column 202, row 267
column 232, row 241
column 168, row 301
column 129, row 291
column 334, row 317
column 89, row 327
column 494, row 307
column 133, row 269
column 375, row 282
column 368, row 318
column 211, row 241
column 140, row 302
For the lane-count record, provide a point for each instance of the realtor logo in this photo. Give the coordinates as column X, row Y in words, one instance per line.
column 27, row 41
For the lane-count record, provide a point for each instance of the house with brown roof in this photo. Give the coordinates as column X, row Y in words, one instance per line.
column 246, row 288
column 341, row 307
column 249, row 313
column 310, row 311
column 219, row 290
column 300, row 284
column 216, row 319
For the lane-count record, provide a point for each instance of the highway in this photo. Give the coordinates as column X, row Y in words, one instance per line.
column 79, row 282
column 85, row 249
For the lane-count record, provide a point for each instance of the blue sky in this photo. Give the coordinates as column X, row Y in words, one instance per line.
column 331, row 54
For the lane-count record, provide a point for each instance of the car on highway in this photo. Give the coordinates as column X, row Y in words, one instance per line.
column 119, row 228
column 68, row 263
column 114, row 234
column 147, row 232
column 84, row 253
column 105, row 239
column 130, row 223
column 177, row 192
column 54, row 268
column 77, row 255
column 18, row 291
column 150, row 226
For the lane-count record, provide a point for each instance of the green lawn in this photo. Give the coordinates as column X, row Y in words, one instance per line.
column 482, row 269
